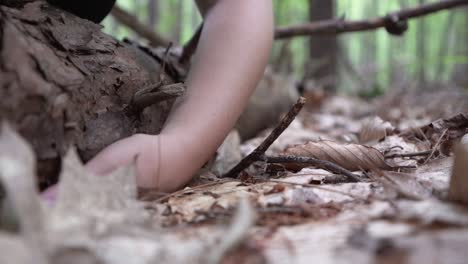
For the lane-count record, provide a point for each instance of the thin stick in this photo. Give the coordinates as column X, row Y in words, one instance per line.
column 260, row 150
column 318, row 187
column 162, row 71
column 436, row 146
column 323, row 164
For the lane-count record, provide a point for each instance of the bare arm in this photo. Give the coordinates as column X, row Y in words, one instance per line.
column 230, row 60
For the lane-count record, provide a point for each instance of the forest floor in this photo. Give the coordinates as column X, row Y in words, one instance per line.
column 399, row 210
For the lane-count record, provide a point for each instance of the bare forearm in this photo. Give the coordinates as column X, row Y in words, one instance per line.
column 230, row 60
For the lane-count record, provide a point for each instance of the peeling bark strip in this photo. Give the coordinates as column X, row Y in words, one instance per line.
column 64, row 82
column 390, row 21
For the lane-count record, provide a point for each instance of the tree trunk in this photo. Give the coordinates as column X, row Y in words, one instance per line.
column 65, row 83
column 459, row 75
column 179, row 9
column 323, row 49
column 422, row 48
column 153, row 13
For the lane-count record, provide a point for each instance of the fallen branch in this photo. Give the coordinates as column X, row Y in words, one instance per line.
column 144, row 31
column 390, row 21
column 260, row 150
column 322, row 164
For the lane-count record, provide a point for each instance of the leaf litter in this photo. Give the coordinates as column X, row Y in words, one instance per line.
column 399, row 213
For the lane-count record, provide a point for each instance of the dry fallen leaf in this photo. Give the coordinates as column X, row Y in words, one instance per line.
column 374, row 129
column 353, row 157
column 17, row 166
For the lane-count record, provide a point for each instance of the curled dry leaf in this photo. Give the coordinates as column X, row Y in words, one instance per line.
column 444, row 131
column 374, row 129
column 84, row 198
column 352, row 157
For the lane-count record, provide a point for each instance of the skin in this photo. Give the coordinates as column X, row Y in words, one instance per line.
column 232, row 54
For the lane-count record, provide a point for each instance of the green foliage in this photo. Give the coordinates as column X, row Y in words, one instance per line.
column 429, row 51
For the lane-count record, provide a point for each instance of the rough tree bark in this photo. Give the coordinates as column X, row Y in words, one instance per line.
column 63, row 82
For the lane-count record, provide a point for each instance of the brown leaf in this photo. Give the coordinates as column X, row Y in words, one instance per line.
column 374, row 129
column 84, row 197
column 17, row 166
column 452, row 128
column 349, row 156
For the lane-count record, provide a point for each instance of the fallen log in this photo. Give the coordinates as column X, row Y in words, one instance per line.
column 64, row 82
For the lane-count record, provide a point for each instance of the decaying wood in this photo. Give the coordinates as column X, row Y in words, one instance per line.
column 63, row 82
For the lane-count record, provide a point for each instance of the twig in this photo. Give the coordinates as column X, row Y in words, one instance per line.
column 327, row 178
column 323, row 164
column 408, row 155
column 132, row 23
column 337, row 26
column 318, row 187
column 260, row 150
column 436, row 146
column 162, row 70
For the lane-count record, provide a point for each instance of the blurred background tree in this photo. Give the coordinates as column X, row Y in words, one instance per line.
column 433, row 50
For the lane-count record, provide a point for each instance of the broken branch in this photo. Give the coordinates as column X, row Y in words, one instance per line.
column 260, row 150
